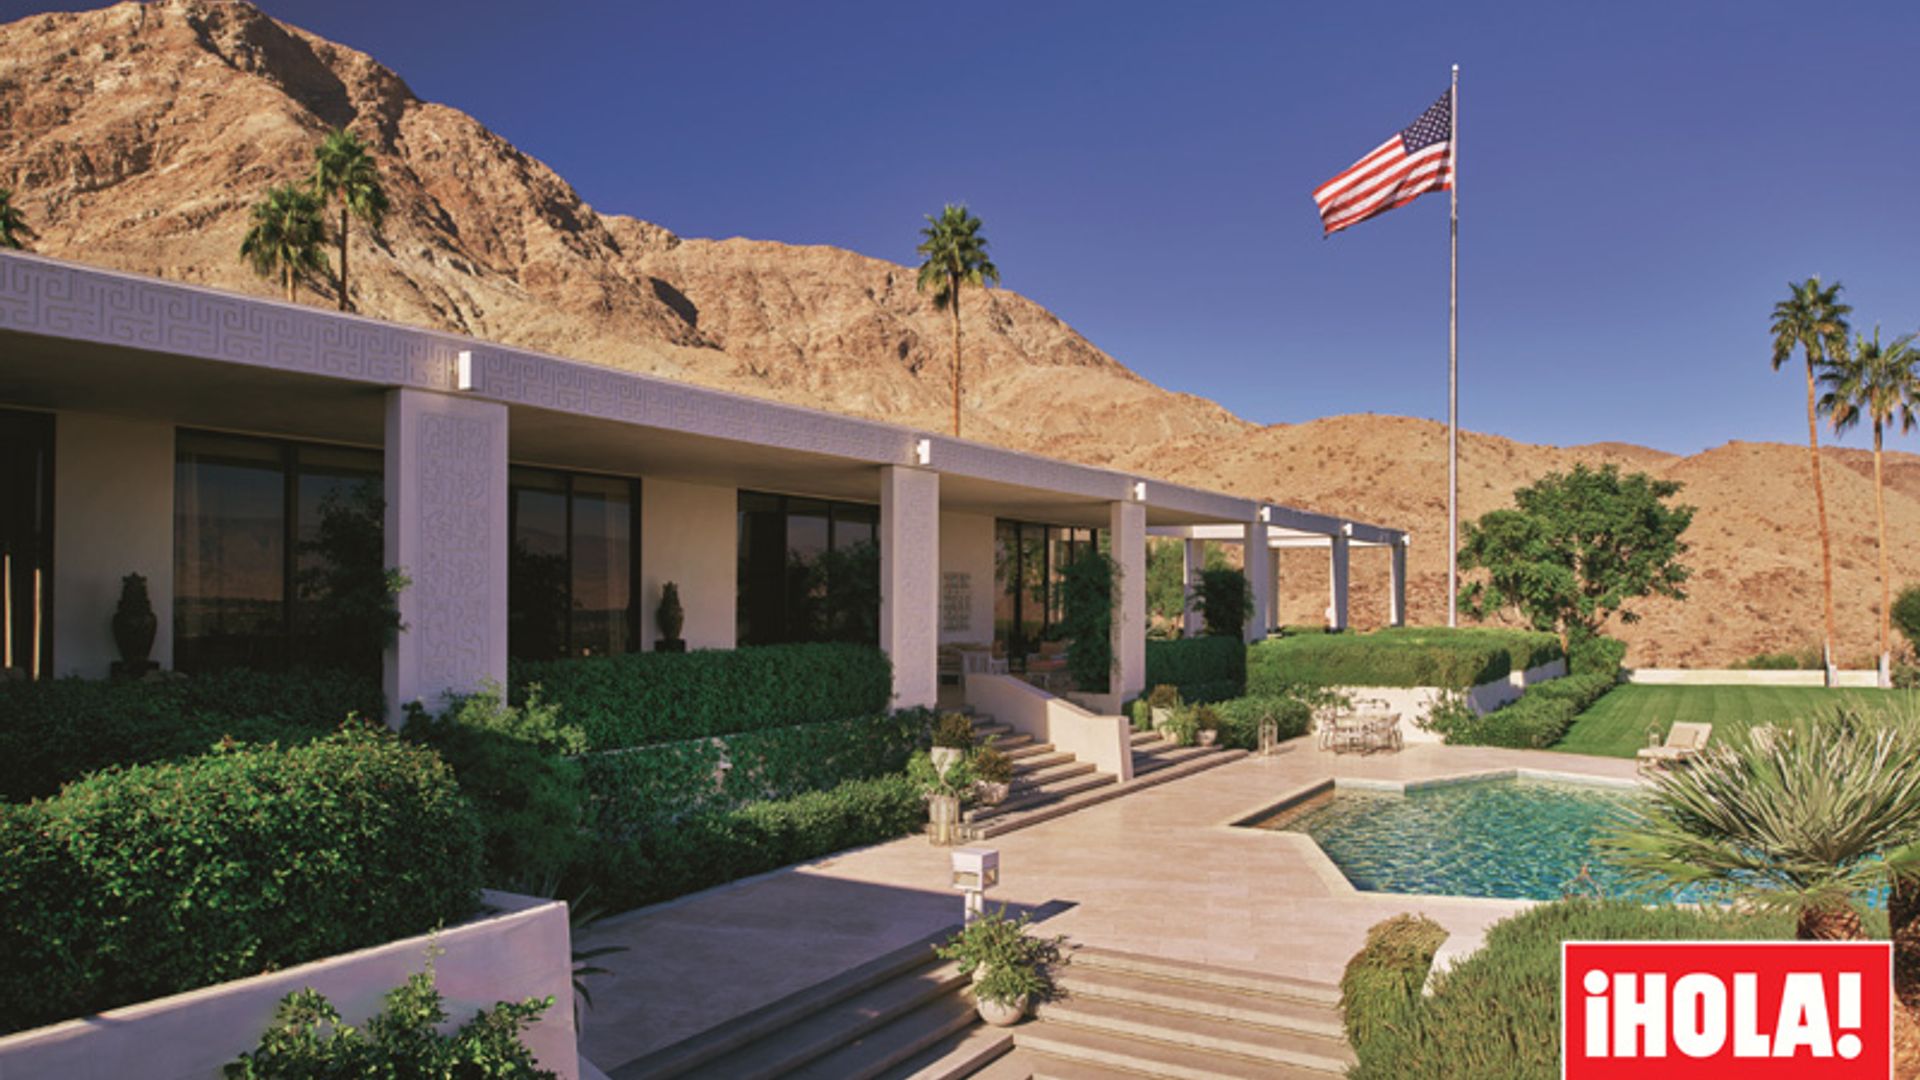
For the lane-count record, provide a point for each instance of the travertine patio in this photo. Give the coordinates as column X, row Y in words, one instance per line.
column 1161, row 871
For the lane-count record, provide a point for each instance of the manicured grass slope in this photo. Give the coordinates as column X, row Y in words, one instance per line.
column 1617, row 724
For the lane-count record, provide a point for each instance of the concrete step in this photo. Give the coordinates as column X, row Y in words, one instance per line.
column 981, row 731
column 1025, row 779
column 1275, row 1012
column 1146, row 761
column 838, row 1025
column 962, row 1054
column 1142, row 737
column 1193, row 1030
column 1020, row 818
column 1040, row 796
column 1007, row 744
column 698, row 1050
column 1028, row 748
column 1041, row 761
column 873, row 1054
column 1233, row 980
column 1103, row 1049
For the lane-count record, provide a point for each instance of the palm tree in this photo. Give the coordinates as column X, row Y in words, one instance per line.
column 13, row 227
column 956, row 255
column 343, row 170
column 1807, row 821
column 1813, row 319
column 287, row 235
column 1881, row 384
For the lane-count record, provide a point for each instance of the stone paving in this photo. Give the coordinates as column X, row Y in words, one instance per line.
column 1162, row 871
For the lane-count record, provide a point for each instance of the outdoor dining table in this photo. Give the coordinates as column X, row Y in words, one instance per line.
column 1366, row 731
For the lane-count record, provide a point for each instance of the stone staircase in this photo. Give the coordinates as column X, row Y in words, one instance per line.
column 1048, row 783
column 1122, row 1016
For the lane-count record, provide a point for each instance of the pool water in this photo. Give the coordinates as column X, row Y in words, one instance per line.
column 1515, row 838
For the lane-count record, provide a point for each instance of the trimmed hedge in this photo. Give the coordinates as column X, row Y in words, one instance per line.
column 1496, row 1013
column 651, row 787
column 160, row 878
column 639, row 699
column 57, row 730
column 1536, row 721
column 1400, row 656
column 1384, row 979
column 1240, row 719
column 1596, row 654
column 1204, row 669
column 713, row 847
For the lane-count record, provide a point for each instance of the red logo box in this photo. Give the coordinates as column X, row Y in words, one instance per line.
column 1757, row 1010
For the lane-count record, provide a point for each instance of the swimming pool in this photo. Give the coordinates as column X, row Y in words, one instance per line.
column 1515, row 838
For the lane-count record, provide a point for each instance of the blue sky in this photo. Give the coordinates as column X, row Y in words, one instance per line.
column 1639, row 181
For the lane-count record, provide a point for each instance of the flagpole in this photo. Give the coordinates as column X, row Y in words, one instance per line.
column 1453, row 359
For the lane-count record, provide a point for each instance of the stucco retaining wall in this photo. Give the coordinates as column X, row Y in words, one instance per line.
column 1741, row 677
column 1414, row 703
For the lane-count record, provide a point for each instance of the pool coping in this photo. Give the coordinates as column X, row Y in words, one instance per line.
column 1336, row 880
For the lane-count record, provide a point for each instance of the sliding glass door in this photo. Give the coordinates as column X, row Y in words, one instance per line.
column 26, row 542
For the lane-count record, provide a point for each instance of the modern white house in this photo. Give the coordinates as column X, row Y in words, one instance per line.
column 197, row 437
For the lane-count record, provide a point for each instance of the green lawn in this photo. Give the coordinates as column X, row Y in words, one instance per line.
column 1617, row 724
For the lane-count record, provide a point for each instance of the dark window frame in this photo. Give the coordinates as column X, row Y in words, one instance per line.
column 864, row 514
column 45, row 443
column 567, row 477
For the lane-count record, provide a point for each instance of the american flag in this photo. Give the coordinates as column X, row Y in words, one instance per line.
column 1412, row 163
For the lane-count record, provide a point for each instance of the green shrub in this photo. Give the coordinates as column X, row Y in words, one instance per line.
column 1382, row 982
column 1201, row 668
column 1087, row 621
column 1595, row 654
column 308, row 1039
column 160, row 878
column 1401, row 656
column 1225, row 601
column 638, row 699
column 1496, row 1013
column 1801, row 660
column 57, row 730
column 1905, row 614
column 515, row 765
column 1539, row 719
column 713, row 847
column 1240, row 719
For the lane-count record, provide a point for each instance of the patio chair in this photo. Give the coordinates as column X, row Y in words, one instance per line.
column 1683, row 742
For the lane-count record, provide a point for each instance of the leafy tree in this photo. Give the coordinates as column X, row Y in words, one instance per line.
column 349, row 609
column 1820, row 813
column 1087, row 621
column 286, row 236
column 1225, row 601
column 1813, row 320
column 13, row 227
column 1166, row 590
column 1880, row 384
column 343, row 170
column 955, row 255
column 1906, row 615
column 1576, row 548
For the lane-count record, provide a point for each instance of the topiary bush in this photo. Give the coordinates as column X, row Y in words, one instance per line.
column 156, row 879
column 1087, row 619
column 1240, row 719
column 639, row 699
column 1496, row 1013
column 1201, row 668
column 1400, row 656
column 56, row 730
column 1382, row 982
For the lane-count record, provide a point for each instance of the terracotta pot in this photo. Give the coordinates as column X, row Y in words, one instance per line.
column 1002, row 1013
column 993, row 794
column 1207, row 736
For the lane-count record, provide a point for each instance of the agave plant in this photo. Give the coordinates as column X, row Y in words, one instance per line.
column 1808, row 821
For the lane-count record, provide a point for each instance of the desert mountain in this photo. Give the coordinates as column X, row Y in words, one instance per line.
column 138, row 136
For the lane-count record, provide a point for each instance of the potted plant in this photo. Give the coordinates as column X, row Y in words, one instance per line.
column 1161, row 703
column 992, row 773
column 670, row 617
column 1206, row 725
column 1008, row 964
column 1181, row 728
column 952, row 739
column 134, row 625
column 943, row 789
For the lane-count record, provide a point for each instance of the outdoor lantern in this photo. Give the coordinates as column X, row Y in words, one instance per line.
column 1269, row 737
column 975, row 870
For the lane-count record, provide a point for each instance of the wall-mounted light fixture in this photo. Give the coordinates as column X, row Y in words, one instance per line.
column 1139, row 491
column 463, row 375
column 923, row 451
column 1346, row 528
column 1266, row 513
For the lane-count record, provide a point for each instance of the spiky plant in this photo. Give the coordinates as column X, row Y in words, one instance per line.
column 343, row 170
column 1806, row 821
column 1813, row 320
column 955, row 255
column 13, row 228
column 286, row 236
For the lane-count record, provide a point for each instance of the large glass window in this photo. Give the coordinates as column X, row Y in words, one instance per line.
column 809, row 570
column 275, row 544
column 1029, row 563
column 26, row 543
column 571, row 572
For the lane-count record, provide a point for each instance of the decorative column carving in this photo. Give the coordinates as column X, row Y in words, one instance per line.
column 910, row 582
column 1128, row 522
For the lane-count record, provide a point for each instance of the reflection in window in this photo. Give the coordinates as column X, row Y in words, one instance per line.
column 1028, row 565
column 809, row 570
column 571, row 578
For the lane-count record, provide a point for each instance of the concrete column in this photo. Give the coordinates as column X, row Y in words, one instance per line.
column 910, row 582
column 1128, row 522
column 1273, row 580
column 1259, row 564
column 1337, row 581
column 1193, row 560
column 1399, row 583
column 446, row 529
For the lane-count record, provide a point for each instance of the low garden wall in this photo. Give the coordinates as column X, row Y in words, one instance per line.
column 1415, row 703
column 1747, row 677
column 519, row 947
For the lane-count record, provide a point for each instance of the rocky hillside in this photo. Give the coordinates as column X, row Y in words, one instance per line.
column 137, row 136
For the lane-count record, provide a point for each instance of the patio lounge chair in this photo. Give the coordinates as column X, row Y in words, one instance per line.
column 1683, row 742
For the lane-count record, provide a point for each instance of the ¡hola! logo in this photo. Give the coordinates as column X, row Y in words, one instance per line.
column 1756, row 1010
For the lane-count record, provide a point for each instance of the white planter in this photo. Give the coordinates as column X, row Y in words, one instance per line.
column 992, row 794
column 945, row 758
column 1002, row 1014
column 519, row 950
column 1207, row 736
column 1160, row 717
